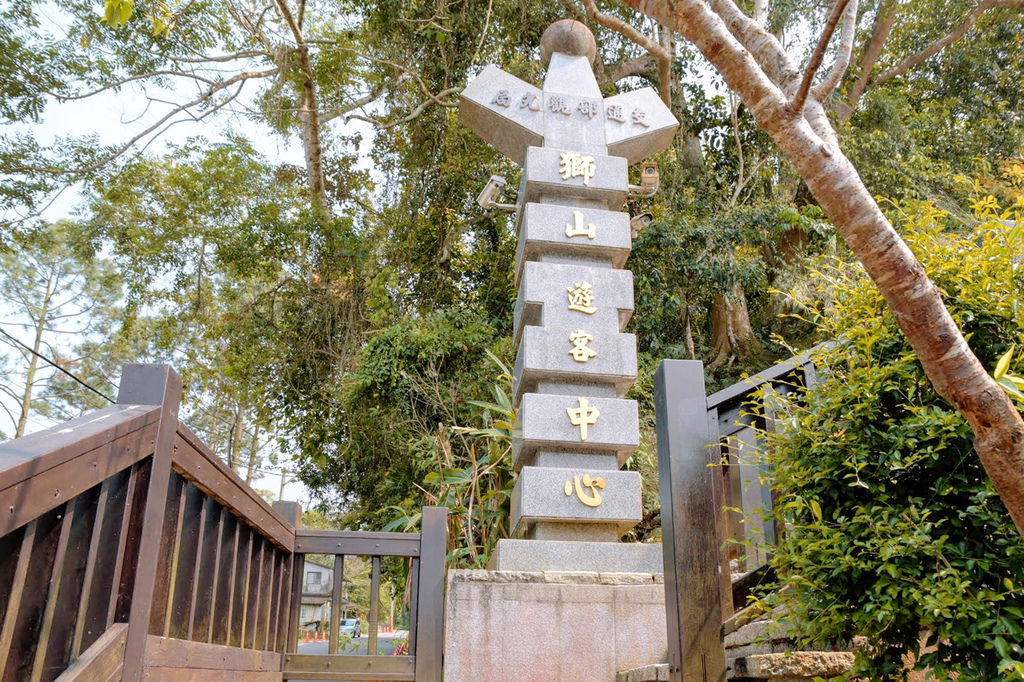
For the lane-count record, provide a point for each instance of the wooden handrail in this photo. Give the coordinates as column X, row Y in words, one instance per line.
column 129, row 549
column 194, row 460
column 46, row 469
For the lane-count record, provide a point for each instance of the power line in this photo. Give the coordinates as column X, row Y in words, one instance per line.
column 58, row 367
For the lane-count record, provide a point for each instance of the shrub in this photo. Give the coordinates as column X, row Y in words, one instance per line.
column 893, row 530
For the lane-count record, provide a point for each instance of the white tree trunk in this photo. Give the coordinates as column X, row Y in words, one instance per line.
column 950, row 365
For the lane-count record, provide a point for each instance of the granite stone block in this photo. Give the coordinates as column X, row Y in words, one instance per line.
column 543, row 181
column 543, row 299
column 517, row 555
column 540, row 494
column 540, row 627
column 543, row 423
column 543, row 232
column 545, row 354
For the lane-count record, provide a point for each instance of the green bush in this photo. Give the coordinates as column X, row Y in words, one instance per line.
column 893, row 530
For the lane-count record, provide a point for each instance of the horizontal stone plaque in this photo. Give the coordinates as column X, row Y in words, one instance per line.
column 600, row 299
column 558, row 353
column 505, row 111
column 566, row 174
column 575, row 496
column 638, row 124
column 550, row 229
column 574, row 423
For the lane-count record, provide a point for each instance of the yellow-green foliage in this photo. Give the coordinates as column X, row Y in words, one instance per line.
column 893, row 529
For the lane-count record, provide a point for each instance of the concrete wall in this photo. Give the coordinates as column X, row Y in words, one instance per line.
column 552, row 626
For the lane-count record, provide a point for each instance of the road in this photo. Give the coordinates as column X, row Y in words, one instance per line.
column 385, row 646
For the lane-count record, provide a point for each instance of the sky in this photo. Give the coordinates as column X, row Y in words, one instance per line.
column 117, row 116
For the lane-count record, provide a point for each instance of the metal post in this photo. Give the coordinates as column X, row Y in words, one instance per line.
column 690, row 541
column 150, row 385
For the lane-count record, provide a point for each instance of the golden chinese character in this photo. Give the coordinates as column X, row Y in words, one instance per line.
column 573, row 165
column 577, row 229
column 580, row 351
column 591, row 499
column 581, row 295
column 583, row 416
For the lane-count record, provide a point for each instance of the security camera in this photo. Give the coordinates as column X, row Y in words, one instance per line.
column 488, row 196
column 648, row 182
column 638, row 222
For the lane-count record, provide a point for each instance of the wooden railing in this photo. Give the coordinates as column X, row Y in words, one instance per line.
column 715, row 508
column 128, row 550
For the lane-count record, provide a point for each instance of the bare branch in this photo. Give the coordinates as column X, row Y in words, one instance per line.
column 351, row 106
column 796, row 104
column 238, row 78
column 641, row 66
column 823, row 89
column 659, row 52
column 955, row 35
column 885, row 17
column 202, row 59
column 67, row 97
column 308, row 114
column 432, row 99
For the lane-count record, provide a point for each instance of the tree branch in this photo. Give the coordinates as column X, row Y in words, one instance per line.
column 761, row 11
column 640, row 66
column 823, row 89
column 432, row 99
column 884, row 20
column 955, row 35
column 762, row 45
column 796, row 104
column 308, row 114
column 332, row 114
column 247, row 75
column 658, row 51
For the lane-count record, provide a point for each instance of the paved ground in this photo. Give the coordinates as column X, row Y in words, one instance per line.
column 385, row 646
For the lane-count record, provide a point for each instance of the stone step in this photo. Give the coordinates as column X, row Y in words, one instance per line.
column 791, row 666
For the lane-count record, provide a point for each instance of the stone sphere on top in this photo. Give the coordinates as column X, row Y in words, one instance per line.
column 570, row 37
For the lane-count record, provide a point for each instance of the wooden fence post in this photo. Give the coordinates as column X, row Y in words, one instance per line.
column 150, row 385
column 689, row 512
column 430, row 609
column 292, row 513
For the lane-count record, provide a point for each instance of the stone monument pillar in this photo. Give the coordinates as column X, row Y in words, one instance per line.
column 565, row 600
column 574, row 363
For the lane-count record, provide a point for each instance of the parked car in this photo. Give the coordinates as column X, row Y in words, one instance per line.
column 350, row 627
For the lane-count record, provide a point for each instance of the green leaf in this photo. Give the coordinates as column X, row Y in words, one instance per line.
column 816, row 509
column 1003, row 364
column 1011, row 388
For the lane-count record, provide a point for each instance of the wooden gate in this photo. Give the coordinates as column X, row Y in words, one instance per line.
column 128, row 550
column 704, row 471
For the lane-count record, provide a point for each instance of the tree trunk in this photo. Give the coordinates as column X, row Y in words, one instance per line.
column 33, row 361
column 252, row 455
column 732, row 335
column 953, row 369
column 235, row 438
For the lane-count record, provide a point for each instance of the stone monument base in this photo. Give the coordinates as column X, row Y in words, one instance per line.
column 552, row 626
column 573, row 555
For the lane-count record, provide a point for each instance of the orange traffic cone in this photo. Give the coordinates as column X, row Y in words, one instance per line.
column 307, row 637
